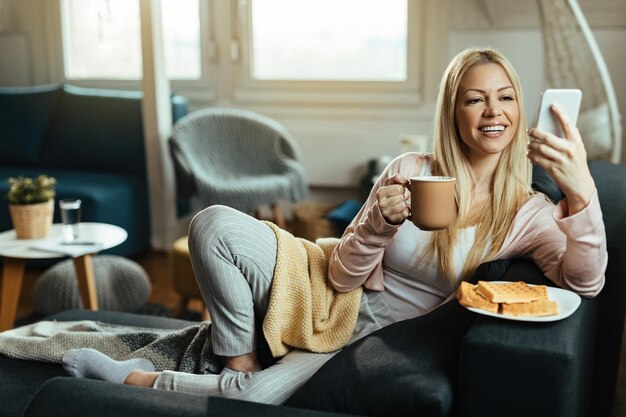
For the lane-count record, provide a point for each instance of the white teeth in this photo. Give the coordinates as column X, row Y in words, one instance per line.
column 497, row 128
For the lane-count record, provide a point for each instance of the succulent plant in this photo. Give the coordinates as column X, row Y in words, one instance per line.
column 24, row 190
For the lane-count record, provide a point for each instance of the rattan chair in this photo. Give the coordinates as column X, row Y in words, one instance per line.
column 235, row 158
column 239, row 159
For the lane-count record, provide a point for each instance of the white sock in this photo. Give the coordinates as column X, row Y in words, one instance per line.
column 230, row 381
column 89, row 363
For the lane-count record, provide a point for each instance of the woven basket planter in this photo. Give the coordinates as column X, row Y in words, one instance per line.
column 310, row 222
column 32, row 221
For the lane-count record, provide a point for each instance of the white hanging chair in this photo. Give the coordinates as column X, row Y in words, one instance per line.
column 573, row 60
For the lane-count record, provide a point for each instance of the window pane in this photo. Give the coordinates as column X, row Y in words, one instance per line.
column 181, row 38
column 360, row 40
column 102, row 39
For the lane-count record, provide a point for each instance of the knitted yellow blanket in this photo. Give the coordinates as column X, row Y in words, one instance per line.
column 304, row 309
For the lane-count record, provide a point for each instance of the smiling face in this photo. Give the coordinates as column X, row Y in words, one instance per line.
column 486, row 110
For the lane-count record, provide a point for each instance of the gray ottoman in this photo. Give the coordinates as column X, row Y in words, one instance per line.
column 121, row 285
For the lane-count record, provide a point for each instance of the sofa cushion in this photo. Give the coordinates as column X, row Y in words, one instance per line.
column 97, row 130
column 544, row 183
column 70, row 397
column 25, row 115
column 102, row 195
column 407, row 368
column 20, row 381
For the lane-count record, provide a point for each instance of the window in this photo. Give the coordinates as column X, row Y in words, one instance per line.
column 318, row 52
column 102, row 39
column 290, row 40
column 181, row 38
column 327, row 51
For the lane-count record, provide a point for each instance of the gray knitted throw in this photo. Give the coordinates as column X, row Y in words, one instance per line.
column 185, row 350
column 240, row 159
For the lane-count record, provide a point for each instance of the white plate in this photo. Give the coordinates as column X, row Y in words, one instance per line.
column 566, row 300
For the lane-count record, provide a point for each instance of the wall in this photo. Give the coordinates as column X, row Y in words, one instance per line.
column 24, row 46
column 336, row 141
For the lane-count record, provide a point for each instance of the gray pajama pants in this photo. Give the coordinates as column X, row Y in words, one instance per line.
column 233, row 257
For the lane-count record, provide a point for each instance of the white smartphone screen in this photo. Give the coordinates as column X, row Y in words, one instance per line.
column 567, row 99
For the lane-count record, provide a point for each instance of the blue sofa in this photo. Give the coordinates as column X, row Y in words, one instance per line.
column 91, row 141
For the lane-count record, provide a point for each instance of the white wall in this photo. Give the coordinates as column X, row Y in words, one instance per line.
column 23, row 19
column 336, row 141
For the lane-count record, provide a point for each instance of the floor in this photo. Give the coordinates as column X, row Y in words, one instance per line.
column 157, row 265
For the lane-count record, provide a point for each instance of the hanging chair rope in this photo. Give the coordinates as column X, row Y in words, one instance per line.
column 573, row 60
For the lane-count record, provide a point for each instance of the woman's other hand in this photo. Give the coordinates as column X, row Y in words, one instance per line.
column 565, row 160
column 393, row 199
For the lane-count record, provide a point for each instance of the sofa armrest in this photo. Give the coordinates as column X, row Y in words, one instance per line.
column 611, row 184
column 518, row 368
column 75, row 397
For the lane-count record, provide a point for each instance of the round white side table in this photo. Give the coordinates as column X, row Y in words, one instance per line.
column 100, row 236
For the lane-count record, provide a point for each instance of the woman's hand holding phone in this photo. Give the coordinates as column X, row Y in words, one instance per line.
column 564, row 159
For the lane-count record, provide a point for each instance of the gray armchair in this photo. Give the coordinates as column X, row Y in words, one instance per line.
column 237, row 158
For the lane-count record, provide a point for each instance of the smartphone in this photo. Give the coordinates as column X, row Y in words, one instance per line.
column 567, row 99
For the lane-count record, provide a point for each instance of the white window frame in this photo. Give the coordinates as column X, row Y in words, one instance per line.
column 226, row 78
column 195, row 90
column 249, row 90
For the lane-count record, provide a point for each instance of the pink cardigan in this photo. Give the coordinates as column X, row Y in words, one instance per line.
column 570, row 250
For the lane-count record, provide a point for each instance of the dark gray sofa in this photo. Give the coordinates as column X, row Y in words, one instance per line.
column 496, row 367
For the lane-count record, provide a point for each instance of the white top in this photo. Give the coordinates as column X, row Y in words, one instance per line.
column 412, row 283
column 102, row 235
column 411, row 287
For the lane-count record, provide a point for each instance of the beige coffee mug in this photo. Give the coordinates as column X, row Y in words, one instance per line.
column 432, row 202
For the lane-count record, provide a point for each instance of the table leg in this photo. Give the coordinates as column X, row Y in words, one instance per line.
column 11, row 285
column 86, row 282
column 279, row 220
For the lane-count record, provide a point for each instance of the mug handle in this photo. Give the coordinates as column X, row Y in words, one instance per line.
column 408, row 187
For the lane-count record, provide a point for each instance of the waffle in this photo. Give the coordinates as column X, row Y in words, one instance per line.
column 514, row 292
column 521, row 300
column 531, row 309
column 468, row 297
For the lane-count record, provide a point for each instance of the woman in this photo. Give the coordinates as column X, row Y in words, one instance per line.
column 481, row 139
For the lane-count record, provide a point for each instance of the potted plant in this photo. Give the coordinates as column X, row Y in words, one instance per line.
column 31, row 204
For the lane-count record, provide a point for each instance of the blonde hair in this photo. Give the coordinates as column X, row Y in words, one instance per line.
column 512, row 178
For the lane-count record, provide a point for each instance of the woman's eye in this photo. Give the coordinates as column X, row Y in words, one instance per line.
column 474, row 100
column 507, row 98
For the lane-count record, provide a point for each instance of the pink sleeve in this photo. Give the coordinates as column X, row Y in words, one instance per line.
column 357, row 260
column 570, row 250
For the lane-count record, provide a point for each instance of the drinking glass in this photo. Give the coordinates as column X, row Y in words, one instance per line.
column 70, row 216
